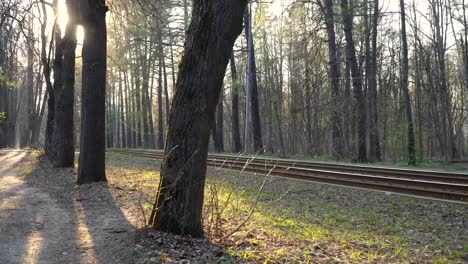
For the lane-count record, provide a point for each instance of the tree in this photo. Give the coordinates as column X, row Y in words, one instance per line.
column 371, row 72
column 91, row 167
column 335, row 77
column 214, row 28
column 347, row 14
column 236, row 140
column 62, row 137
column 404, row 87
column 48, row 149
column 252, row 87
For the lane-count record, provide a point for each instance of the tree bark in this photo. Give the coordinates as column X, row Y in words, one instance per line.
column 93, row 139
column 335, row 77
column 49, row 86
column 252, row 79
column 214, row 28
column 63, row 140
column 160, row 108
column 347, row 14
column 404, row 86
column 220, row 124
column 236, row 139
column 372, row 84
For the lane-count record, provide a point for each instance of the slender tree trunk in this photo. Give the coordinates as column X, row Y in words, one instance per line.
column 49, row 86
column 404, row 87
column 166, row 92
column 160, row 108
column 335, row 77
column 145, row 104
column 356, row 79
column 123, row 111
column 219, row 143
column 371, row 71
column 252, row 79
column 138, row 109
column 30, row 83
column 236, row 139
column 211, row 36
column 91, row 166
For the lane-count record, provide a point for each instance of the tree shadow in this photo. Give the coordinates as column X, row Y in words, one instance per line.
column 34, row 226
column 111, row 234
column 45, row 219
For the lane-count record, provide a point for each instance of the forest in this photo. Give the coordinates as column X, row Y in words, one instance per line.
column 100, row 87
column 350, row 81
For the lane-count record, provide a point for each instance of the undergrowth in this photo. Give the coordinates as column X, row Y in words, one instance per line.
column 263, row 219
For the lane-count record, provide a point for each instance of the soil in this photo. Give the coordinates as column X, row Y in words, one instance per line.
column 45, row 218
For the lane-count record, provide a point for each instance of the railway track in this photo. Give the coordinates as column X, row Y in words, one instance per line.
column 428, row 184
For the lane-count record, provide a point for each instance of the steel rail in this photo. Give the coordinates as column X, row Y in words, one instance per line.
column 438, row 185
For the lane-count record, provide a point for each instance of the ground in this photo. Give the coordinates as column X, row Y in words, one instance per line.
column 46, row 218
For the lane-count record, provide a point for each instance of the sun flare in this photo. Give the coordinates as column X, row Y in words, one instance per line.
column 62, row 20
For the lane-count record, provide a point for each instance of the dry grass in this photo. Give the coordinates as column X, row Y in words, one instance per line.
column 293, row 221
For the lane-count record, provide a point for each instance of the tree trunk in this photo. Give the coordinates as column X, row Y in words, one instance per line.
column 138, row 107
column 160, row 108
column 123, row 111
column 93, row 127
column 372, row 82
column 63, row 141
column 347, row 14
column 49, row 86
column 220, row 124
column 145, row 102
column 252, row 82
column 236, row 139
column 404, row 87
column 211, row 36
column 335, row 77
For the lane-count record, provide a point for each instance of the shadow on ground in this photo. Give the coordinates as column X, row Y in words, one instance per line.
column 44, row 218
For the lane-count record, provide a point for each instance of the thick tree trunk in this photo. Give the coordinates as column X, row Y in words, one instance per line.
column 93, row 127
column 356, row 79
column 63, row 140
column 211, row 36
column 236, row 139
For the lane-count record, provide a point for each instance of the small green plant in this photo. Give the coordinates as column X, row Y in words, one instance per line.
column 456, row 255
column 36, row 154
column 355, row 255
column 465, row 248
column 27, row 171
column 441, row 260
column 3, row 116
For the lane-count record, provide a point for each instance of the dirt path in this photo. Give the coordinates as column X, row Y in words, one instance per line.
column 45, row 219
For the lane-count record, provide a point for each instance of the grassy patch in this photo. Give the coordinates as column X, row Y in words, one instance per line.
column 293, row 221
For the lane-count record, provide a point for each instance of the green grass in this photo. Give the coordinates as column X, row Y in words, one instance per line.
column 304, row 222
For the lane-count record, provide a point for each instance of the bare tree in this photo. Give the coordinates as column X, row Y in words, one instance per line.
column 214, row 28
